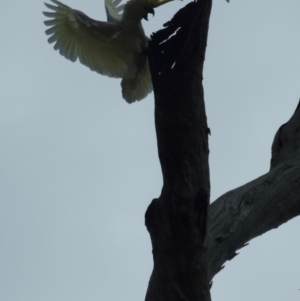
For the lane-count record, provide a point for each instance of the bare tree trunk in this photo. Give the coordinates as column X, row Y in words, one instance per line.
column 177, row 220
column 191, row 239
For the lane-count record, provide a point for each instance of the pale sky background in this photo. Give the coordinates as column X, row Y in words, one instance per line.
column 79, row 166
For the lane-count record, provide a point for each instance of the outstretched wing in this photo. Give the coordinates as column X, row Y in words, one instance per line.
column 93, row 42
column 114, row 11
column 140, row 86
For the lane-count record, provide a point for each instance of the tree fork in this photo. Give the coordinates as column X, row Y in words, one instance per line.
column 177, row 220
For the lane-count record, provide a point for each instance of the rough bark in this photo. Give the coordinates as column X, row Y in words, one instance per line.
column 191, row 239
column 177, row 220
column 261, row 205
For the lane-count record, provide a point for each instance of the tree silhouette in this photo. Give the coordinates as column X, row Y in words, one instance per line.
column 191, row 239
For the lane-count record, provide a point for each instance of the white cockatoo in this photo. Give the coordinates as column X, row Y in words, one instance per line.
column 114, row 48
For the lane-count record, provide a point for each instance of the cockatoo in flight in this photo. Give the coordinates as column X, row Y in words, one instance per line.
column 114, row 48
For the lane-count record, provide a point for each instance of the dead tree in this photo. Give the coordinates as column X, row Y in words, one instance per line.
column 191, row 239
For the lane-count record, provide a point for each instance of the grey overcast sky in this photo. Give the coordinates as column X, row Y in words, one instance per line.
column 79, row 166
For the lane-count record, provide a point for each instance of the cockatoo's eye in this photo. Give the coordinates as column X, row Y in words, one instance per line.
column 149, row 11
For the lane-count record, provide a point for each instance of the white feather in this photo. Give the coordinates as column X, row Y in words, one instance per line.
column 114, row 11
column 112, row 48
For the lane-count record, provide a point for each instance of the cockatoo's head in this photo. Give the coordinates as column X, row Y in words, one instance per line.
column 139, row 9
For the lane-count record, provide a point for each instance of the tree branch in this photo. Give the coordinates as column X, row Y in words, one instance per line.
column 261, row 205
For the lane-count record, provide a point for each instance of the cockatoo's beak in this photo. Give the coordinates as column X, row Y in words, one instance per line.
column 154, row 4
column 151, row 11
